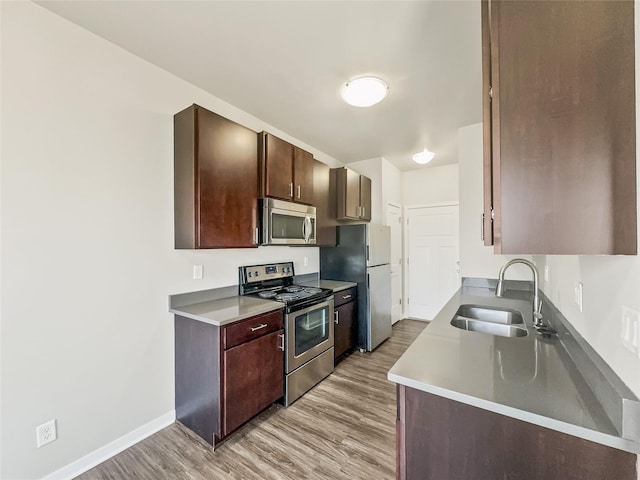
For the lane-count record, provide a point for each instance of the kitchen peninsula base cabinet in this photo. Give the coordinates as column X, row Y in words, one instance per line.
column 346, row 321
column 215, row 181
column 438, row 438
column 226, row 375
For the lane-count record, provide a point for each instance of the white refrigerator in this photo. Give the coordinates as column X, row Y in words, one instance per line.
column 362, row 255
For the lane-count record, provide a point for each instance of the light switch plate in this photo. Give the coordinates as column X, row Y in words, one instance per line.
column 197, row 272
column 630, row 329
column 578, row 295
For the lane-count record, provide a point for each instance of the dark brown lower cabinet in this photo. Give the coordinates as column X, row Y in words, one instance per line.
column 253, row 378
column 346, row 322
column 224, row 376
column 440, row 439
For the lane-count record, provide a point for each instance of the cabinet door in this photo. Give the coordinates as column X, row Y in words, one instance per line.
column 277, row 167
column 302, row 176
column 345, row 333
column 365, row 198
column 563, row 118
column 215, row 181
column 325, row 203
column 253, row 376
column 347, row 194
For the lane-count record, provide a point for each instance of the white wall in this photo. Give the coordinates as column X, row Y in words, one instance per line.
column 476, row 260
column 391, row 185
column 87, row 238
column 430, row 185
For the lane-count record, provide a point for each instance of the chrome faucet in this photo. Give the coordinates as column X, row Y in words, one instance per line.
column 537, row 304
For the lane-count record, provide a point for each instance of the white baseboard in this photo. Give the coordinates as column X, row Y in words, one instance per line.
column 112, row 448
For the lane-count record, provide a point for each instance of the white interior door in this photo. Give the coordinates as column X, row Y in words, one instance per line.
column 433, row 259
column 394, row 220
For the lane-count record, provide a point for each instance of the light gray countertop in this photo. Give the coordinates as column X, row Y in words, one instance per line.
column 527, row 378
column 334, row 285
column 226, row 310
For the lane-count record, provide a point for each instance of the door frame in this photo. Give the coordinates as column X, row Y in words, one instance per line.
column 400, row 208
column 405, row 247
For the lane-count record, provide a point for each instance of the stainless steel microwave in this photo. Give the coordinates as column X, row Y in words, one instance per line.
column 287, row 223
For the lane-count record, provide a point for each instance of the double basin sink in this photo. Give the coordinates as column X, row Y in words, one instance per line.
column 503, row 322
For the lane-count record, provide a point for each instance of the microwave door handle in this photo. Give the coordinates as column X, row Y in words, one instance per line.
column 307, row 229
column 304, row 229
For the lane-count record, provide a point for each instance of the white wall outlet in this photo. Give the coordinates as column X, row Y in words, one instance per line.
column 630, row 329
column 577, row 295
column 546, row 273
column 46, row 433
column 306, row 261
column 197, row 272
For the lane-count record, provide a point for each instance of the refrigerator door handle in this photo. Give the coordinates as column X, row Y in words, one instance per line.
column 368, row 281
column 367, row 253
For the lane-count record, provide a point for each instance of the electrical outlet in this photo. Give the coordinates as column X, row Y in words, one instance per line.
column 546, row 273
column 197, row 272
column 46, row 433
column 630, row 329
column 577, row 295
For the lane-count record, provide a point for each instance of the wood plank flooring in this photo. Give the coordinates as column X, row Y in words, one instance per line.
column 344, row 428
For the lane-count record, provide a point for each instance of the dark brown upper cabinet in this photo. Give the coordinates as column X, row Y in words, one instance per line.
column 325, row 202
column 559, row 119
column 215, row 181
column 287, row 170
column 353, row 195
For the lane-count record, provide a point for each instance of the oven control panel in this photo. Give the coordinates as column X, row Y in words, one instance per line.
column 261, row 273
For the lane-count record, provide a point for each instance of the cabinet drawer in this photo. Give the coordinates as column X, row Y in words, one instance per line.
column 251, row 328
column 344, row 296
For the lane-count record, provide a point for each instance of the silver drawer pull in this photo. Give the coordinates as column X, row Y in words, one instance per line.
column 344, row 297
column 337, row 319
column 259, row 327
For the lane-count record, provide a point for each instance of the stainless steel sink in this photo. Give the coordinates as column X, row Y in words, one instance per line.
column 503, row 322
column 505, row 316
column 499, row 329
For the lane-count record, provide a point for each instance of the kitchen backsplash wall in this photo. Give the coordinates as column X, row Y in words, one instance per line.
column 87, row 238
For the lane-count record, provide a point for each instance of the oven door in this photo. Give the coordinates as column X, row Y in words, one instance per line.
column 287, row 223
column 309, row 332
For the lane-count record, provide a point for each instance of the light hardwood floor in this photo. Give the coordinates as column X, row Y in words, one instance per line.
column 344, row 428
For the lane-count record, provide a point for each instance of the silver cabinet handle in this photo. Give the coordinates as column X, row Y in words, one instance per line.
column 255, row 236
column 337, row 319
column 482, row 228
column 299, row 189
column 259, row 327
column 291, row 189
column 344, row 297
column 281, row 346
column 363, row 212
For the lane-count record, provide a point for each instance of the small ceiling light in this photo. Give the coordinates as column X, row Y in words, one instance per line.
column 423, row 157
column 364, row 91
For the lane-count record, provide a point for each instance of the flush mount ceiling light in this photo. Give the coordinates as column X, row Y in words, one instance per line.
column 364, row 91
column 423, row 157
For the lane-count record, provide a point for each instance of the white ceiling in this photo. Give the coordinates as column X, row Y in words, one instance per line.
column 285, row 61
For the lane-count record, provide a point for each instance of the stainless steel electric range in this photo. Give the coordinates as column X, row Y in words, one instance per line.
column 308, row 324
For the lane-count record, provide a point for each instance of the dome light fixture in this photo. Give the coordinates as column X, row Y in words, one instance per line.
column 423, row 157
column 364, row 91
